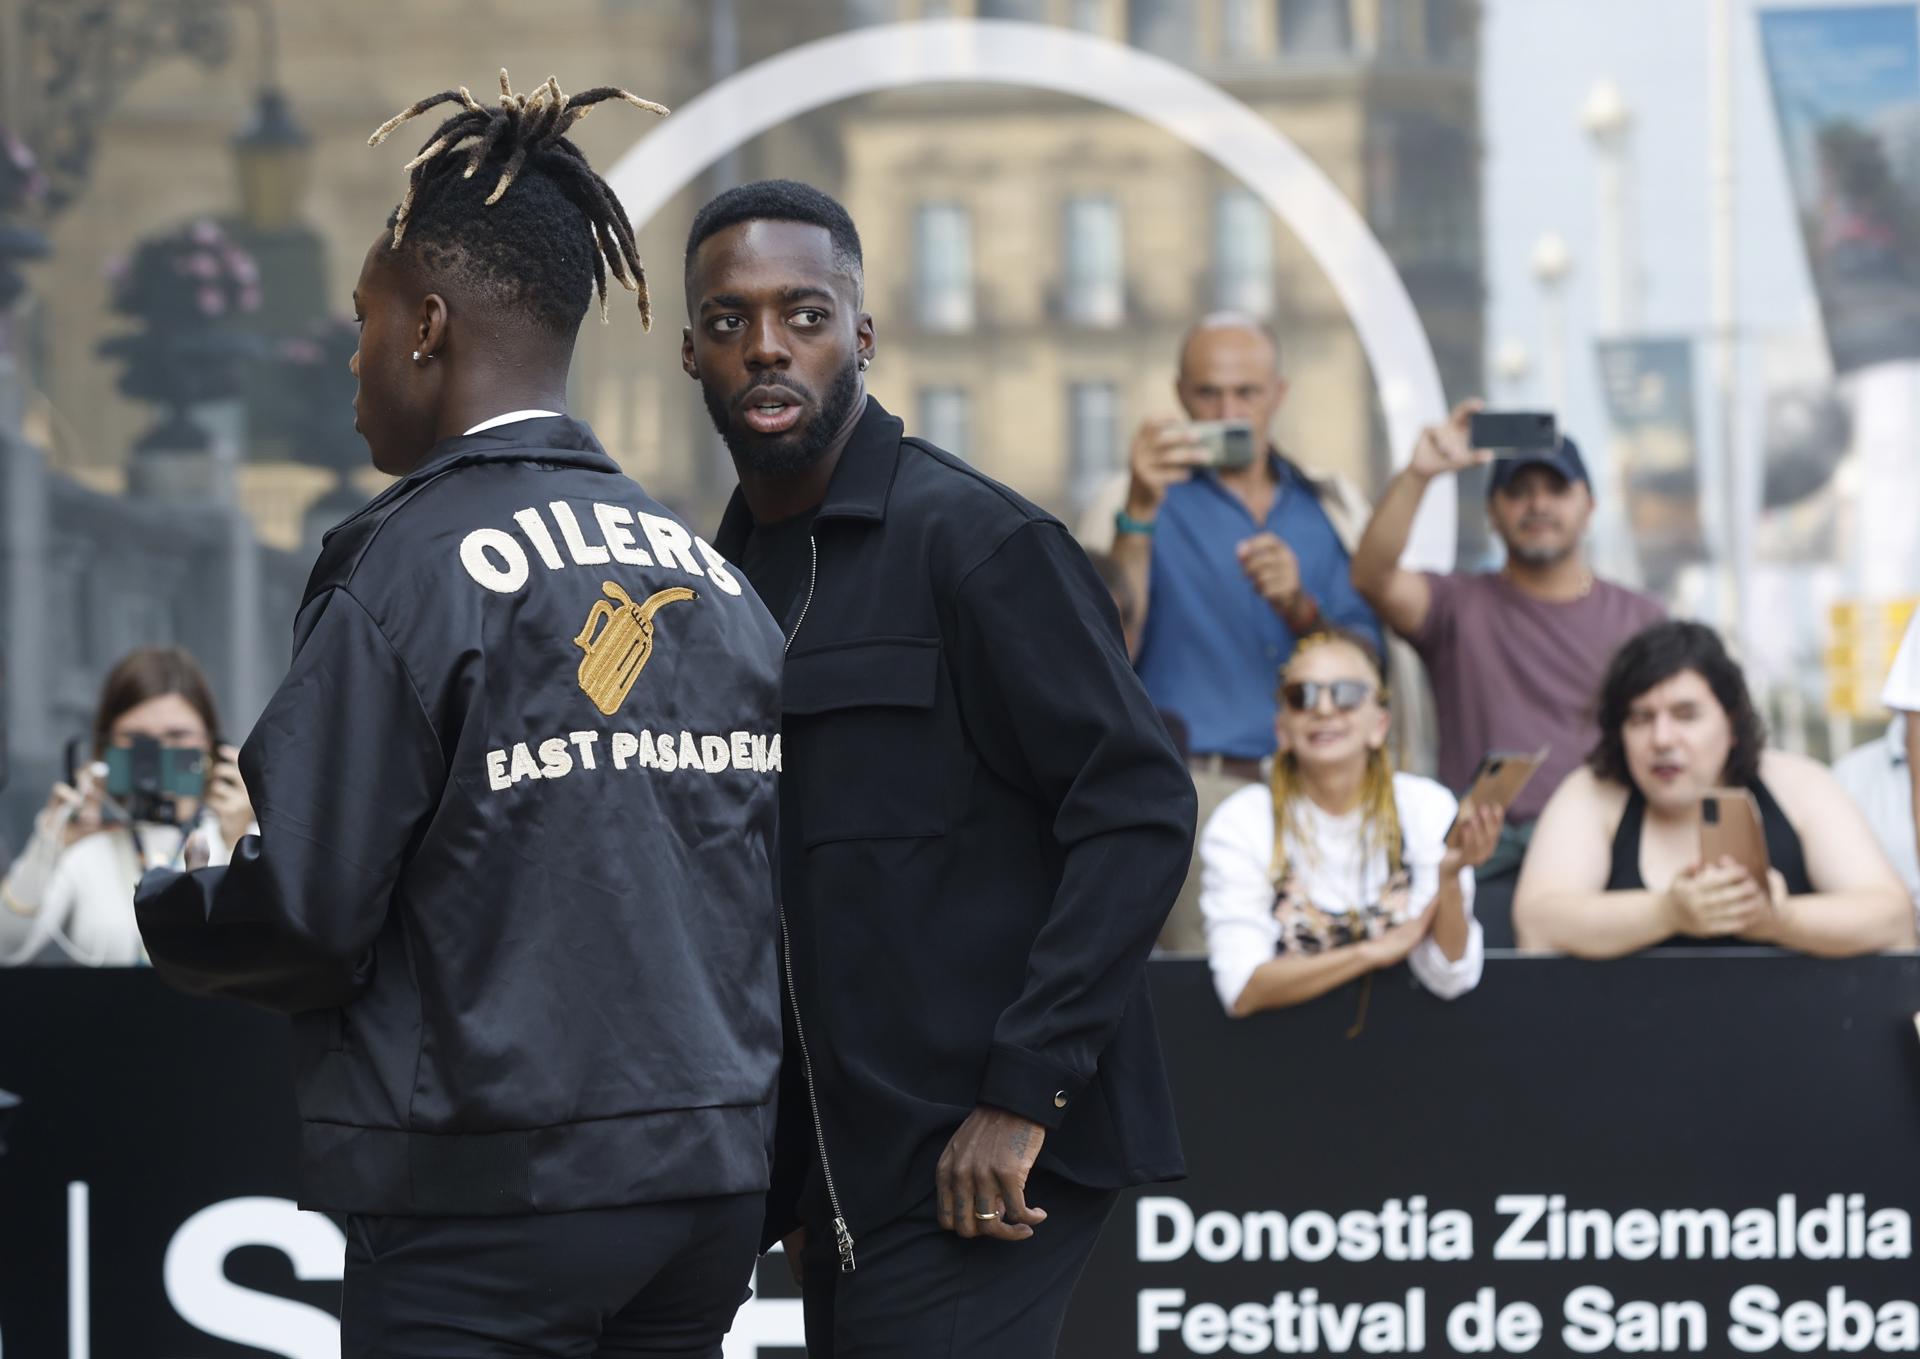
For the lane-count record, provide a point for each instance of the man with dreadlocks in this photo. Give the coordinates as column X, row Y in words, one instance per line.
column 514, row 876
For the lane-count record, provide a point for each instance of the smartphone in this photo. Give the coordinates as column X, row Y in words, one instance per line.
column 1501, row 776
column 1230, row 444
column 1512, row 431
column 1730, row 827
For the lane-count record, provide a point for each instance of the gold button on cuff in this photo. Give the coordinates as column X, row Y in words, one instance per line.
column 1059, row 1099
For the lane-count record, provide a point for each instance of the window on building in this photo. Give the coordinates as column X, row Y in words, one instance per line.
column 1396, row 26
column 1093, row 438
column 1314, row 28
column 946, row 418
column 943, row 266
column 1091, row 16
column 1242, row 253
column 1422, row 185
column 1095, row 262
column 1244, row 27
column 1444, row 28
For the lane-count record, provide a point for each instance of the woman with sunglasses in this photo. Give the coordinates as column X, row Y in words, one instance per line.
column 1339, row 867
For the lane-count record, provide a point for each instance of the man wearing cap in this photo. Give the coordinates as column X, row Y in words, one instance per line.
column 1515, row 656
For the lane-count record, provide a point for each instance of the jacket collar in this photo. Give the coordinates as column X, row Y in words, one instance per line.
column 860, row 487
column 557, row 440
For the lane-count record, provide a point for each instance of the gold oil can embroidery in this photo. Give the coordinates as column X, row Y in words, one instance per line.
column 620, row 651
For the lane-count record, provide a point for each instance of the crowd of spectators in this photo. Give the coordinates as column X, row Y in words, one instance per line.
column 1277, row 632
column 1317, row 864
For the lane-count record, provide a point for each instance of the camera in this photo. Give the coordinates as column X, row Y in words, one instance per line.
column 145, row 777
column 1230, row 444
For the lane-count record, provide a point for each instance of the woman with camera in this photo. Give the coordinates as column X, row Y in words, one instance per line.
column 1618, row 862
column 158, row 771
column 1339, row 867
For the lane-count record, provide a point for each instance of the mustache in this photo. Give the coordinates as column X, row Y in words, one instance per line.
column 769, row 383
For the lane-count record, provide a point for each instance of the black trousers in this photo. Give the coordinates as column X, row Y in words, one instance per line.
column 923, row 1293
column 661, row 1279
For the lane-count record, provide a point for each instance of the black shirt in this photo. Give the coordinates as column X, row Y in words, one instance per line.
column 778, row 559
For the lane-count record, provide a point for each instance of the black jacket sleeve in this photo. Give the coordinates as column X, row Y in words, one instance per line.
column 1050, row 700
column 343, row 768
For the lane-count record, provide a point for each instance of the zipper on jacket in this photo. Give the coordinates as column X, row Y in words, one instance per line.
column 842, row 1238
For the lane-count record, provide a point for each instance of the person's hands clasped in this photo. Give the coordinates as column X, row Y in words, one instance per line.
column 981, row 1181
column 1476, row 834
column 1163, row 455
column 1273, row 570
column 1396, row 943
column 1713, row 901
column 1444, row 449
column 226, row 796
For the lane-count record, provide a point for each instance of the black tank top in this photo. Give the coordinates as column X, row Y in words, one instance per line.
column 1783, row 848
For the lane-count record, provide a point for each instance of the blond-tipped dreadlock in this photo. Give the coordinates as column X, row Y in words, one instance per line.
column 1379, row 813
column 527, row 129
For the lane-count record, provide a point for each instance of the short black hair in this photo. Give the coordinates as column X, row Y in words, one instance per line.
column 1655, row 656
column 778, row 200
column 542, row 249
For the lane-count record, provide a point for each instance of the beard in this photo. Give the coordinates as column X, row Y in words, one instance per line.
column 791, row 451
column 1540, row 557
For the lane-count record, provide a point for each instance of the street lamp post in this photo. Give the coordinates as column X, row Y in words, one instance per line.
column 1609, row 122
column 1552, row 263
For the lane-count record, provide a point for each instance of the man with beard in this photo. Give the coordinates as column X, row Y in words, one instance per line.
column 1515, row 655
column 983, row 825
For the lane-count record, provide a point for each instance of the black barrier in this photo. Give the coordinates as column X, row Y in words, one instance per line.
column 1678, row 1153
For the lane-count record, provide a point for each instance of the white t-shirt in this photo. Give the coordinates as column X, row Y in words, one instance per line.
column 1334, row 871
column 1876, row 778
column 1902, row 692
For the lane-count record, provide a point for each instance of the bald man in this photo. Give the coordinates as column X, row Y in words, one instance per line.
column 1232, row 565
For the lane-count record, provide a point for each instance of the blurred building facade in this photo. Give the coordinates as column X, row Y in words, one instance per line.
column 1031, row 264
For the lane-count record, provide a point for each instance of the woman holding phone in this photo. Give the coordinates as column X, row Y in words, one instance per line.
column 1339, row 867
column 72, row 886
column 1616, row 862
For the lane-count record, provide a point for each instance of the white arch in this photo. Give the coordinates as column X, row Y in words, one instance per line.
column 893, row 56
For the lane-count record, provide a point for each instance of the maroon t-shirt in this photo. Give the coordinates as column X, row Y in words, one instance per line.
column 1514, row 673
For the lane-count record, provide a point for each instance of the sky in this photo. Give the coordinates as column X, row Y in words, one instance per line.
column 1539, row 60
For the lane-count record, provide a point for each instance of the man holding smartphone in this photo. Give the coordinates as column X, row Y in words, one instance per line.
column 1515, row 656
column 1232, row 565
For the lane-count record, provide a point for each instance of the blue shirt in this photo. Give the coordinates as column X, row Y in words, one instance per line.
column 1213, row 647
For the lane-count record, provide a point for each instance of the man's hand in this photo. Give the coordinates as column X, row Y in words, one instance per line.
column 1162, row 455
column 794, row 1243
column 1274, row 570
column 227, row 798
column 981, row 1181
column 1444, row 448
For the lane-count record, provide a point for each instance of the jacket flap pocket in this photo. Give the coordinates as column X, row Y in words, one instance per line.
column 881, row 672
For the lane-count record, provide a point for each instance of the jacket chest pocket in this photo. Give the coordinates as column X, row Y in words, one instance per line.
column 864, row 740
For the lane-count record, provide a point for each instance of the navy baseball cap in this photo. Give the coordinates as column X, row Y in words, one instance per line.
column 1563, row 457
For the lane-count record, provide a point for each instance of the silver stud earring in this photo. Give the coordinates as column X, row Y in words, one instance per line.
column 864, row 363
